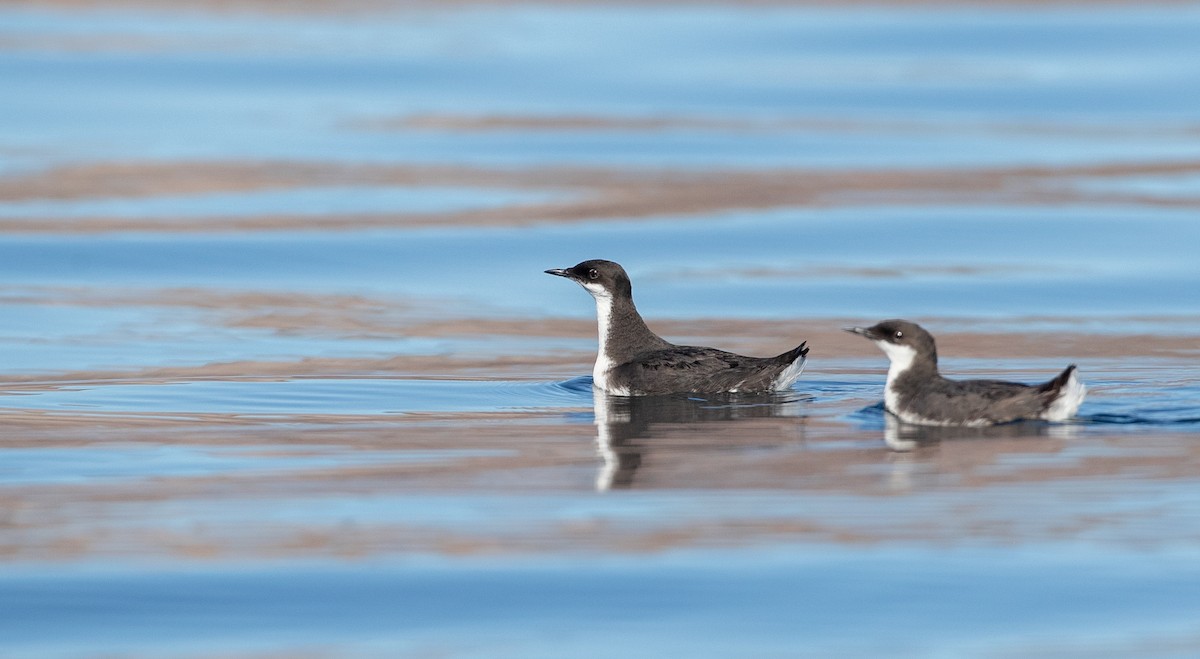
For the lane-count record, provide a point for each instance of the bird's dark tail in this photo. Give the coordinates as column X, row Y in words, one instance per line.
column 793, row 354
column 790, row 365
column 1063, row 395
column 1058, row 382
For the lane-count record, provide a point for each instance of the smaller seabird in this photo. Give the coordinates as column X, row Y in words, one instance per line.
column 632, row 360
column 916, row 393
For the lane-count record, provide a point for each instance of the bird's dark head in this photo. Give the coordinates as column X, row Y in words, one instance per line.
column 599, row 277
column 901, row 340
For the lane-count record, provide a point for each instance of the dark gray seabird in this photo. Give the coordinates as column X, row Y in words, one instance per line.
column 632, row 360
column 916, row 393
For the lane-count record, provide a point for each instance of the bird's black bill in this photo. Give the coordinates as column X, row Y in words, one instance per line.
column 559, row 272
column 861, row 331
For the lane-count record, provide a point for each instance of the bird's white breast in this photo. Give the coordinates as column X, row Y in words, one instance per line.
column 604, row 363
column 901, row 358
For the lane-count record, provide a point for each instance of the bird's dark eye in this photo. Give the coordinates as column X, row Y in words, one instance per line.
column 899, row 334
column 593, row 274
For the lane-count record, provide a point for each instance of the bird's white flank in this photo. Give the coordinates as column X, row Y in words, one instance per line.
column 1069, row 398
column 789, row 374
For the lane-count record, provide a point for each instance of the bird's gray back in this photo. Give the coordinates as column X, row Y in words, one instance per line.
column 971, row 401
column 696, row 369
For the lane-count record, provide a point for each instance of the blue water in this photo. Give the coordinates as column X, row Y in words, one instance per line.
column 111, row 462
column 1170, row 402
column 1085, row 261
column 190, row 85
column 309, row 201
column 320, row 396
column 971, row 602
column 396, row 450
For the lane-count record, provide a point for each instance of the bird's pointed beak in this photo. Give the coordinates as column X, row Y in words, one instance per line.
column 861, row 331
column 559, row 272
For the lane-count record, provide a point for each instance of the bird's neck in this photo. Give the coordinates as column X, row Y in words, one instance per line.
column 623, row 333
column 906, row 361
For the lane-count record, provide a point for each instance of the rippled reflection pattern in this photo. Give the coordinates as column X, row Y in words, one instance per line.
column 282, row 375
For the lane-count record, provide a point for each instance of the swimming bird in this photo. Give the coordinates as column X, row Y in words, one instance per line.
column 632, row 360
column 916, row 393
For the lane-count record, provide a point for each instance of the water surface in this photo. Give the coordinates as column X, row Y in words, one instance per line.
column 283, row 376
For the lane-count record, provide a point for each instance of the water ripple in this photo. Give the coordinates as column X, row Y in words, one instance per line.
column 311, row 396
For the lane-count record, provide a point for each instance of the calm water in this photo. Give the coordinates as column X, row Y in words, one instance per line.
column 282, row 374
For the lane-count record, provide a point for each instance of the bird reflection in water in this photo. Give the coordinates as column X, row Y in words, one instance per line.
column 906, row 437
column 623, row 424
column 917, row 450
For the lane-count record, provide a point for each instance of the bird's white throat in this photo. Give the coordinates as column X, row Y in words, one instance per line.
column 901, row 358
column 604, row 310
